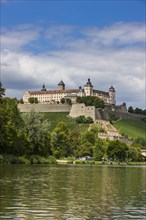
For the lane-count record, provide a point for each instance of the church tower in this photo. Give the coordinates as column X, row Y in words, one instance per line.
column 88, row 88
column 61, row 85
column 112, row 96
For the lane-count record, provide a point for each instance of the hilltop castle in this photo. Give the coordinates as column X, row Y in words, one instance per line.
column 52, row 96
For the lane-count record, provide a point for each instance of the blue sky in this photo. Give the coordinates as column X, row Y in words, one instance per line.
column 46, row 41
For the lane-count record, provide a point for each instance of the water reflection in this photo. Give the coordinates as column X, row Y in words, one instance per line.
column 72, row 192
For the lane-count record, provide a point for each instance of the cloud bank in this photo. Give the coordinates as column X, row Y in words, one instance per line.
column 32, row 55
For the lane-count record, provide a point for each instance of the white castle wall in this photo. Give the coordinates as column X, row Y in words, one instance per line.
column 81, row 109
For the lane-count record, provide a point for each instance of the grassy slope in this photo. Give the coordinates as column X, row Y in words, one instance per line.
column 132, row 128
column 56, row 117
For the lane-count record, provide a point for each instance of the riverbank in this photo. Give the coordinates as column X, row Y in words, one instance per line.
column 33, row 159
column 106, row 163
column 36, row 159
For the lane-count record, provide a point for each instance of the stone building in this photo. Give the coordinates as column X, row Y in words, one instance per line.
column 52, row 96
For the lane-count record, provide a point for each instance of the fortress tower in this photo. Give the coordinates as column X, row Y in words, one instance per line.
column 88, row 88
column 43, row 87
column 61, row 85
column 112, row 95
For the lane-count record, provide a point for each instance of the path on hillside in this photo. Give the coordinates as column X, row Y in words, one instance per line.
column 110, row 131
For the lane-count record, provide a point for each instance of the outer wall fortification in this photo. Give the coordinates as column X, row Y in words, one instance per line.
column 44, row 107
column 80, row 109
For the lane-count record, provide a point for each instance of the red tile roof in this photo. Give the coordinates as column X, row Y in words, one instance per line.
column 53, row 91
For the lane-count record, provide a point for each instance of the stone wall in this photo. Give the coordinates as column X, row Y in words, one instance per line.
column 77, row 110
column 81, row 109
column 105, row 114
column 44, row 107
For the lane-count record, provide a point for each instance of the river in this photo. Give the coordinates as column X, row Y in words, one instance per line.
column 72, row 192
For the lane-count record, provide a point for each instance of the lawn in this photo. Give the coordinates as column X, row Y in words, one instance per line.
column 132, row 128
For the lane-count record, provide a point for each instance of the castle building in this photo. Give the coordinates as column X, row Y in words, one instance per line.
column 51, row 96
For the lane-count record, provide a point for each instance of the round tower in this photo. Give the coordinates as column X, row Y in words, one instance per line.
column 61, row 85
column 112, row 96
column 88, row 88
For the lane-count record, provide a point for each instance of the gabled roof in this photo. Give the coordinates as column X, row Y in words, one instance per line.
column 101, row 92
column 53, row 91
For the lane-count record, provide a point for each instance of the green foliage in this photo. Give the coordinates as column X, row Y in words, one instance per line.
column 112, row 118
column 36, row 159
column 130, row 109
column 21, row 101
column 134, row 154
column 33, row 100
column 88, row 136
column 60, row 141
column 82, row 119
column 137, row 110
column 31, row 138
column 10, row 127
column 117, row 150
column 91, row 101
column 94, row 128
column 62, row 100
column 37, row 133
column 67, row 101
column 33, row 159
column 140, row 141
column 85, row 149
column 55, row 117
column 132, row 128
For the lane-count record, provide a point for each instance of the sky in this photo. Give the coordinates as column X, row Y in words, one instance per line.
column 44, row 41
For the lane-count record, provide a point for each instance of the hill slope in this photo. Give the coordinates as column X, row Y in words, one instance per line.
column 132, row 128
column 55, row 117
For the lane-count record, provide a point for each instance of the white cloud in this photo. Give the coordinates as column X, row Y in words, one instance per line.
column 77, row 55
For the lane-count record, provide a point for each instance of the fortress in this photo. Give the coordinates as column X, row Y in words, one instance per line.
column 50, row 101
column 55, row 96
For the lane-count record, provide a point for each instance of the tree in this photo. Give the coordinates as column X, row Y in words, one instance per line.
column 82, row 119
column 85, row 149
column 130, row 109
column 62, row 100
column 134, row 154
column 21, row 101
column 141, row 141
column 11, row 125
column 37, row 133
column 61, row 141
column 99, row 150
column 91, row 101
column 2, row 90
column 88, row 136
column 68, row 101
column 138, row 111
column 75, row 142
column 117, row 150
column 33, row 100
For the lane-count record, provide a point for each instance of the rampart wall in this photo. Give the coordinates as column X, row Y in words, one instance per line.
column 105, row 115
column 81, row 109
column 44, row 107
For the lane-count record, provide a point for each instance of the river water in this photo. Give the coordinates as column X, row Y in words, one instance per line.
column 72, row 192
